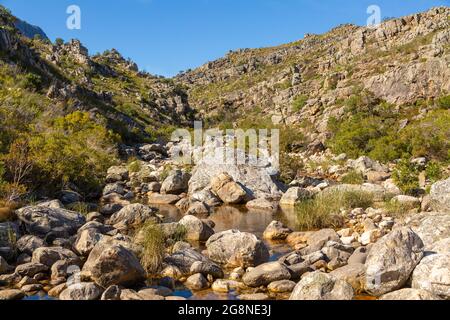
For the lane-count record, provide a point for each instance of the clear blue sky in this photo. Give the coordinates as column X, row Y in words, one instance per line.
column 166, row 36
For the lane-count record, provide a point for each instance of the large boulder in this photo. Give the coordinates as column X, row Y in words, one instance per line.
column 319, row 239
column 43, row 221
column 48, row 256
column 82, row 291
column 391, row 261
column 354, row 274
column 31, row 269
column 29, row 243
column 266, row 273
column 132, row 216
column 259, row 180
column 196, row 229
column 237, row 249
column 322, row 286
column 86, row 241
column 176, row 183
column 431, row 227
column 294, row 195
column 111, row 263
column 409, row 294
column 229, row 191
column 184, row 259
column 433, row 274
column 440, row 195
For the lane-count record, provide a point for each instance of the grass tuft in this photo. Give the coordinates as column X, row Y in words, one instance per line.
column 323, row 211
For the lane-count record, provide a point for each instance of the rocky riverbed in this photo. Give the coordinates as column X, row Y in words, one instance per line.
column 230, row 232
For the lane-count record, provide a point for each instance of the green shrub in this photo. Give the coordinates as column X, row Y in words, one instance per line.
column 32, row 81
column 154, row 247
column 299, row 102
column 444, row 102
column 323, row 211
column 406, row 177
column 353, row 177
column 59, row 41
column 74, row 149
column 433, row 171
column 134, row 166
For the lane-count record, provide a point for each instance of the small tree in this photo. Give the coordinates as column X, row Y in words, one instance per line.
column 18, row 164
column 59, row 42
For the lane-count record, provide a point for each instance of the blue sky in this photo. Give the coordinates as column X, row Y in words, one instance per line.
column 166, row 36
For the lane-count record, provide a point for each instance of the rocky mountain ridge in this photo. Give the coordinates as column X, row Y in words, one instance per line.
column 402, row 61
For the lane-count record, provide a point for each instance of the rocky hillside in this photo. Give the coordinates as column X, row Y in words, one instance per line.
column 133, row 103
column 307, row 82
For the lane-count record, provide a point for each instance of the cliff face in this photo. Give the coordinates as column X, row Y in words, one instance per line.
column 401, row 62
column 29, row 30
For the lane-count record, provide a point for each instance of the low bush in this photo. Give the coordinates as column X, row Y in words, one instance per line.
column 353, row 177
column 299, row 102
column 406, row 177
column 74, row 149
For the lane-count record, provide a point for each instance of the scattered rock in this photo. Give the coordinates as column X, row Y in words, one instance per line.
column 110, row 263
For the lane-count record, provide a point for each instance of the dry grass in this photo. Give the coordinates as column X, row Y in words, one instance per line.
column 153, row 241
column 323, row 211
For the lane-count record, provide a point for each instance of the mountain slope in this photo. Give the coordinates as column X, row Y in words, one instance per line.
column 307, row 82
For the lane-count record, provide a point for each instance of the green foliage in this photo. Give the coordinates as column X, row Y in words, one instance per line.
column 163, row 133
column 377, row 133
column 299, row 102
column 444, row 102
column 434, row 171
column 59, row 41
column 353, row 177
column 75, row 149
column 32, row 81
column 406, row 177
column 323, row 211
column 153, row 242
column 134, row 166
column 80, row 207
